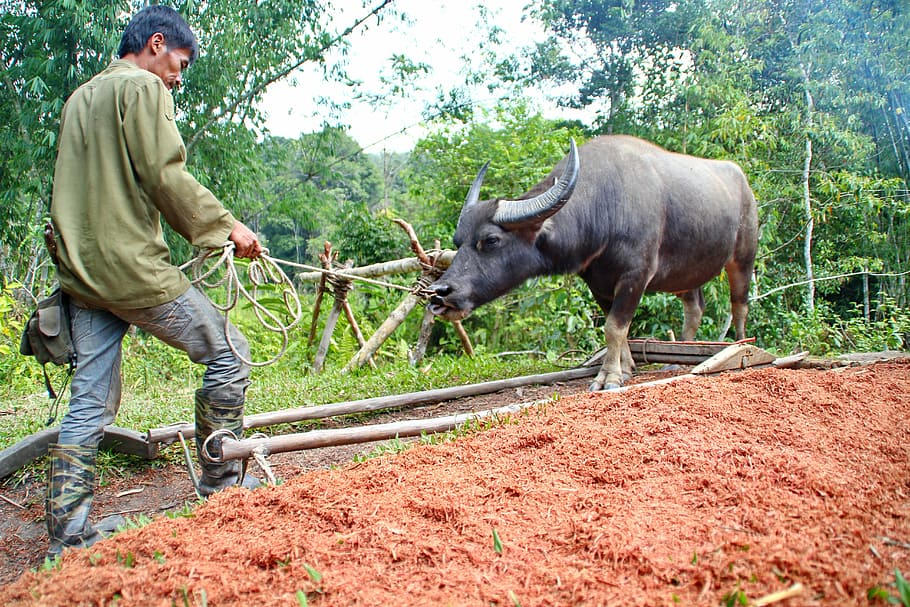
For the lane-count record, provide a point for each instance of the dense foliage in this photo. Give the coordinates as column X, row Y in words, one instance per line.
column 810, row 98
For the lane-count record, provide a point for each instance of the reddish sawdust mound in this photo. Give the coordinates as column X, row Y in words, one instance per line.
column 682, row 493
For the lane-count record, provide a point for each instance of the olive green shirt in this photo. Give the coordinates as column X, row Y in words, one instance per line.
column 121, row 166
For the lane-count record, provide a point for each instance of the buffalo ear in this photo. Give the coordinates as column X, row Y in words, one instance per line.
column 529, row 231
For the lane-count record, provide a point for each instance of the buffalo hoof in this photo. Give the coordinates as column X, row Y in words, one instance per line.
column 597, row 386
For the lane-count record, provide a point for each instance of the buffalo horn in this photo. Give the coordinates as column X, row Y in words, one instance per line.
column 474, row 192
column 514, row 213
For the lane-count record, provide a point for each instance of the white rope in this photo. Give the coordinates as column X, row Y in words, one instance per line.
column 263, row 270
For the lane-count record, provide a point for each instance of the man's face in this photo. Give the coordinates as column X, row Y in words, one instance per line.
column 169, row 64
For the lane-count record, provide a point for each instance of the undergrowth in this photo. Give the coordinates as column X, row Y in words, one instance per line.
column 159, row 384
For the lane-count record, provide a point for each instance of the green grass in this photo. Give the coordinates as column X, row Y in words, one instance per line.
column 159, row 384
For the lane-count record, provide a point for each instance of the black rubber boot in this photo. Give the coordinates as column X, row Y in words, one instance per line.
column 70, row 491
column 211, row 417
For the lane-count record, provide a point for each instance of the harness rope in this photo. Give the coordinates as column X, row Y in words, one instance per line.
column 210, row 273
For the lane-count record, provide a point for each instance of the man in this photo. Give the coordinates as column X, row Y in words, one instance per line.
column 120, row 168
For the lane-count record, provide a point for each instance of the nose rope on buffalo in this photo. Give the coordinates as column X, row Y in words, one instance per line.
column 215, row 268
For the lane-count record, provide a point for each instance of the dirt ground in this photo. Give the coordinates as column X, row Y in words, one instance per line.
column 718, row 490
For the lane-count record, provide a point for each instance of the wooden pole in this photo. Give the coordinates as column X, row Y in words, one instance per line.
column 325, row 257
column 388, row 327
column 327, row 331
column 385, row 268
column 239, row 449
column 463, row 336
column 320, row 291
column 168, row 434
column 423, row 338
column 353, row 322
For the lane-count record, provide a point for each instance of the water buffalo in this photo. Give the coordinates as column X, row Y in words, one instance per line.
column 625, row 215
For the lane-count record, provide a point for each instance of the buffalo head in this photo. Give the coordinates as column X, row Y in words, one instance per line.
column 496, row 244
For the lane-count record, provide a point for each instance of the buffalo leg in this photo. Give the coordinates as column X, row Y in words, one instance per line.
column 693, row 310
column 739, row 278
column 616, row 329
column 625, row 360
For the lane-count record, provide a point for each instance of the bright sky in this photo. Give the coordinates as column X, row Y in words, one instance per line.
column 440, row 33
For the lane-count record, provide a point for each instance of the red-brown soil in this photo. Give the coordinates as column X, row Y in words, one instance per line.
column 704, row 491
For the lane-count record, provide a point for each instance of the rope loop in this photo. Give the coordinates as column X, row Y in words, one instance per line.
column 262, row 272
column 206, row 450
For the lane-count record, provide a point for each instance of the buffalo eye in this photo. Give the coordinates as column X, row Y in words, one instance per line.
column 488, row 243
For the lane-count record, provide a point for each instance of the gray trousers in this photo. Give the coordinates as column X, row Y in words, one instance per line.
column 189, row 323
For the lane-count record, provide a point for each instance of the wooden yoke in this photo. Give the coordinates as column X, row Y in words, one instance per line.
column 429, row 273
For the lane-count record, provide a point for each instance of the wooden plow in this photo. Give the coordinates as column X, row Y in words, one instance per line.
column 728, row 356
column 337, row 281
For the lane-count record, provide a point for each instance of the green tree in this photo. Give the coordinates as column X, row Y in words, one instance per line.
column 522, row 148
column 319, row 186
column 622, row 56
column 51, row 46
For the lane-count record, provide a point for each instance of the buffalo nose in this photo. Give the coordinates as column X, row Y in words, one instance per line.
column 440, row 289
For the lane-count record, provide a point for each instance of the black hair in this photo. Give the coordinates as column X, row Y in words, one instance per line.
column 153, row 19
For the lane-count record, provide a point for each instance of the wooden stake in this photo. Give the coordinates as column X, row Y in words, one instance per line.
column 426, row 329
column 330, row 323
column 463, row 335
column 349, row 314
column 388, row 327
column 325, row 258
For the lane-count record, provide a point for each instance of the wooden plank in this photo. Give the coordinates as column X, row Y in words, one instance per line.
column 646, row 351
column 736, row 356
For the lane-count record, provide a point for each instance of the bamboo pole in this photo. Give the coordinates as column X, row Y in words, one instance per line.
column 385, row 268
column 168, row 434
column 240, row 449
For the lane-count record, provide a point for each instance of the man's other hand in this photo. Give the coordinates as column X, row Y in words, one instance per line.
column 246, row 243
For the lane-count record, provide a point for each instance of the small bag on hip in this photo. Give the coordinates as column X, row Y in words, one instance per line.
column 47, row 335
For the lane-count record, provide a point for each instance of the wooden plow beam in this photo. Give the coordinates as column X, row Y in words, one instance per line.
column 263, row 446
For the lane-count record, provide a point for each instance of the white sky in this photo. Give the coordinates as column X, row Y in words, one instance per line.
column 441, row 32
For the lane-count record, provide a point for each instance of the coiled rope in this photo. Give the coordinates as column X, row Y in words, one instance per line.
column 210, row 273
